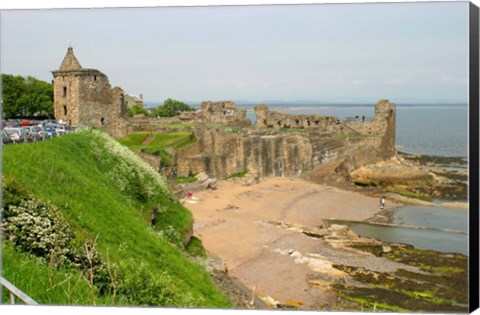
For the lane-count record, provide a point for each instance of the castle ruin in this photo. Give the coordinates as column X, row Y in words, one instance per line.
column 84, row 97
column 272, row 119
column 134, row 101
column 223, row 112
column 283, row 144
column 279, row 145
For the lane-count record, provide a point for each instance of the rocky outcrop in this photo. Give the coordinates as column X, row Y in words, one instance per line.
column 391, row 173
column 205, row 181
column 410, row 178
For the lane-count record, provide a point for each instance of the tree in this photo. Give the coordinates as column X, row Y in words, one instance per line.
column 13, row 87
column 26, row 96
column 134, row 110
column 171, row 107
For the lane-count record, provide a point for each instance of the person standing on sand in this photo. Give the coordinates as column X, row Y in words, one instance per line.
column 382, row 203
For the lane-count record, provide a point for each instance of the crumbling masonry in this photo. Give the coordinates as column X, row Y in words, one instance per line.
column 84, row 97
column 286, row 145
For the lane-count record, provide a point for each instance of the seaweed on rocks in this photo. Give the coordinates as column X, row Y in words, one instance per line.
column 440, row 284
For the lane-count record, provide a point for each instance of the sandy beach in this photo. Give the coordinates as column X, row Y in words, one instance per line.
column 237, row 223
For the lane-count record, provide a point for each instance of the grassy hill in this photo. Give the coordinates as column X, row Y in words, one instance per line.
column 115, row 232
column 157, row 143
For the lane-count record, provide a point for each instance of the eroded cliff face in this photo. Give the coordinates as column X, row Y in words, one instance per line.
column 295, row 144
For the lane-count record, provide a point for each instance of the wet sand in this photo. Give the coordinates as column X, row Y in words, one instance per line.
column 235, row 223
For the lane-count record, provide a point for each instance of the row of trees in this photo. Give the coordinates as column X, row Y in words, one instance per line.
column 169, row 108
column 26, row 96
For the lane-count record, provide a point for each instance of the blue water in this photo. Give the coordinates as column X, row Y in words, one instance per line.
column 432, row 218
column 421, row 129
column 433, row 130
column 424, row 239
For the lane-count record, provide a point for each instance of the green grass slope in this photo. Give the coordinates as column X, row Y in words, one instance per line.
column 159, row 142
column 108, row 194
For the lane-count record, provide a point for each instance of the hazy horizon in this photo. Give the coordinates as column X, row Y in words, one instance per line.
column 307, row 103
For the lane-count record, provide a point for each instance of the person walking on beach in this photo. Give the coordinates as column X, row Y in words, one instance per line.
column 382, row 203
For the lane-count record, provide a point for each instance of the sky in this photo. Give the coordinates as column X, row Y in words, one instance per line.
column 356, row 53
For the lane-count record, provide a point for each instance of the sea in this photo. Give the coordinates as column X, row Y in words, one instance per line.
column 433, row 129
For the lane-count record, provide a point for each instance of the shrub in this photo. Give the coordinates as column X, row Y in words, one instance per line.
column 171, row 107
column 195, row 248
column 40, row 229
column 130, row 172
column 14, row 192
column 142, row 286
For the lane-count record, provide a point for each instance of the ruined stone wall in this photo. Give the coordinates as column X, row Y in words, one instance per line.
column 287, row 153
column 221, row 154
column 267, row 118
column 377, row 142
column 151, row 123
column 133, row 101
column 151, row 159
column 220, row 113
column 84, row 97
column 95, row 101
column 66, row 98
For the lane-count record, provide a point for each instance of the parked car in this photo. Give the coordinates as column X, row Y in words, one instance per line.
column 50, row 131
column 25, row 123
column 31, row 135
column 63, row 129
column 48, row 122
column 12, row 123
column 5, row 138
column 35, row 122
column 17, row 134
column 39, row 131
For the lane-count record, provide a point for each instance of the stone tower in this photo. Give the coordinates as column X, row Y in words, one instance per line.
column 84, row 97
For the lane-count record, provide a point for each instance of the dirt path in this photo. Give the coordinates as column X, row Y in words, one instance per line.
column 235, row 223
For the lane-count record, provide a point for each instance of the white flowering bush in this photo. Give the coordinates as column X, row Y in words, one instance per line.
column 39, row 228
column 129, row 172
column 134, row 176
